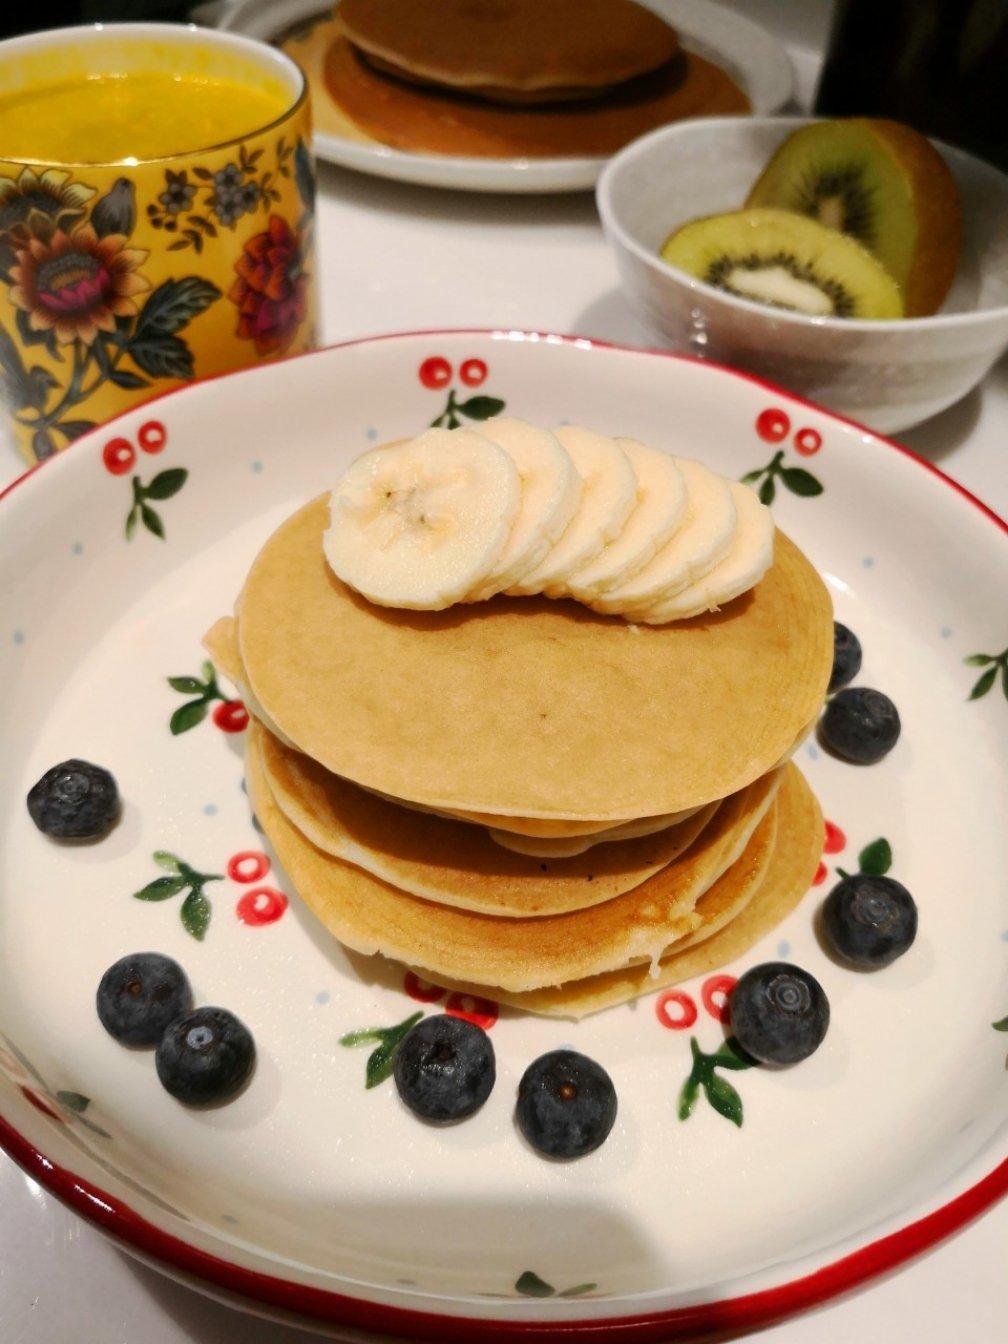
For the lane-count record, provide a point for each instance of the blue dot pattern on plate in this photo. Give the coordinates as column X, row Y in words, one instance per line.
column 370, row 435
column 945, row 632
column 812, row 751
column 78, row 548
column 257, row 466
column 18, row 636
column 210, row 809
column 867, row 561
column 1004, row 936
column 783, row 948
column 229, row 1218
column 322, row 996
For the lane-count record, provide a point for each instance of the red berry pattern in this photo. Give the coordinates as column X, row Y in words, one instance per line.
column 251, row 865
column 835, row 839
column 40, row 1105
column 152, row 436
column 820, row 875
column 435, row 372
column 118, row 456
column 263, row 905
column 231, row 716
column 772, row 425
column 675, row 1010
column 480, row 1012
column 715, row 994
column 473, row 372
column 421, row 990
column 807, row 442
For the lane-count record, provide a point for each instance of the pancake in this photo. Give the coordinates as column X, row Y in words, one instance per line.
column 735, row 916
column 450, row 861
column 435, row 121
column 221, row 642
column 370, row 916
column 529, row 707
column 511, row 50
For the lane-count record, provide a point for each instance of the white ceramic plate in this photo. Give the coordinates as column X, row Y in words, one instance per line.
column 313, row 1194
column 750, row 54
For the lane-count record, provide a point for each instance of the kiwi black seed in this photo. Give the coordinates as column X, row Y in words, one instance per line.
column 785, row 260
column 883, row 184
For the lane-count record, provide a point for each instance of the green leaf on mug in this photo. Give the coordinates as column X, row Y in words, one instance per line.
column 162, row 356
column 129, row 381
column 173, row 304
column 73, row 429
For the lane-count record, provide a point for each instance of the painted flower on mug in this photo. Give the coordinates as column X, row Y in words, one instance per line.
column 76, row 284
column 37, row 204
column 271, row 291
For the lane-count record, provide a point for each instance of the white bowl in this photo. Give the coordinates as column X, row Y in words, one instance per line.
column 890, row 375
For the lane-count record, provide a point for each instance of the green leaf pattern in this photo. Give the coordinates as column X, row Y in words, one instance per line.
column 994, row 663
column 473, row 408
column 193, row 712
column 160, row 487
column 703, row 1077
column 387, row 1039
column 795, row 479
column 195, row 911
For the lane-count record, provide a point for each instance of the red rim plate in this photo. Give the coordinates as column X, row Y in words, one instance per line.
column 705, row 1321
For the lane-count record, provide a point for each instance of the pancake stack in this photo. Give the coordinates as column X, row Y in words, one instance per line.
column 501, row 78
column 524, row 799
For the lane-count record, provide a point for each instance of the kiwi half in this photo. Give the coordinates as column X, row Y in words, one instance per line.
column 787, row 261
column 883, row 184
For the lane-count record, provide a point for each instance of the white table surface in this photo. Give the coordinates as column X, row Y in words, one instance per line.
column 396, row 258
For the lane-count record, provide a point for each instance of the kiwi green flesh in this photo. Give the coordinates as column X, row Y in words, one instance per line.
column 846, row 177
column 785, row 260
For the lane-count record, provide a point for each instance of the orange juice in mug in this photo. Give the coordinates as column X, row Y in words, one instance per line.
column 156, row 219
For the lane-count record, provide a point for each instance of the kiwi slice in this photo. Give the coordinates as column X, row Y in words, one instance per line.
column 883, row 184
column 785, row 260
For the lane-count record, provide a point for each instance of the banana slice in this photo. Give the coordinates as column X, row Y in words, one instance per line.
column 550, row 494
column 661, row 507
column 578, row 844
column 749, row 558
column 609, row 495
column 694, row 550
column 419, row 524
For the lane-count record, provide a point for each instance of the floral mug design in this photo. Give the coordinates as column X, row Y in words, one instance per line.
column 120, row 281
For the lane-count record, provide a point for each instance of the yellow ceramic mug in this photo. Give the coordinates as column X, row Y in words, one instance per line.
column 156, row 219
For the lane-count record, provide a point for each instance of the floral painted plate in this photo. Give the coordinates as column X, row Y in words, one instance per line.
column 317, row 1194
column 753, row 57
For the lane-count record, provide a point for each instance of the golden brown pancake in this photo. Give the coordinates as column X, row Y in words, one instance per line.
column 451, row 861
column 221, row 642
column 734, row 914
column 511, row 50
column 434, row 121
column 369, row 916
column 527, row 707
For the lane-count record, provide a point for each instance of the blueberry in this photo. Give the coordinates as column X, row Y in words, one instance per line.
column 205, row 1057
column 861, row 725
column 869, row 921
column 140, row 996
column 445, row 1068
column 75, row 800
column 566, row 1104
column 779, row 1013
column 846, row 657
